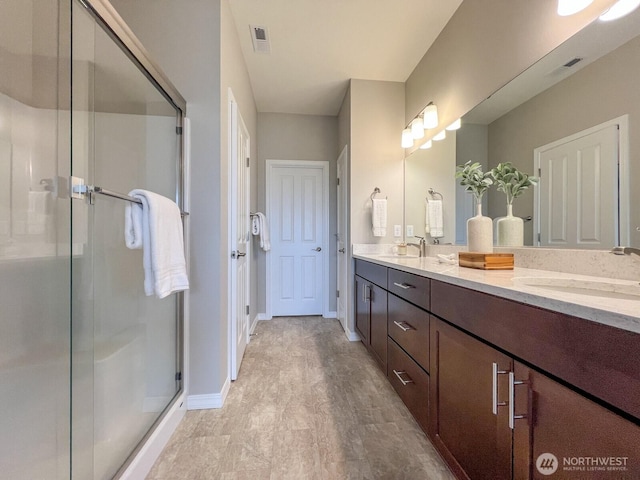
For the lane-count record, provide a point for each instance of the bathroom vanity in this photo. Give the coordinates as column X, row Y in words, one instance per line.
column 507, row 379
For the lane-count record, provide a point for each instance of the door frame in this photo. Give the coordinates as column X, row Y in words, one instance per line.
column 234, row 118
column 342, row 187
column 623, row 220
column 324, row 165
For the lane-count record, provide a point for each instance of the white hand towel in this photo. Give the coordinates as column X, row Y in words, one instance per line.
column 255, row 225
column 156, row 226
column 265, row 244
column 379, row 217
column 436, row 220
column 427, row 228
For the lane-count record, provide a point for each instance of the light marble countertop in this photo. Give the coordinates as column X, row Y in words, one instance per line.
column 620, row 311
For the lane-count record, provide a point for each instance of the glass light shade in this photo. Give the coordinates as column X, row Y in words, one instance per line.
column 426, row 145
column 440, row 136
column 569, row 7
column 417, row 128
column 620, row 9
column 431, row 116
column 458, row 123
column 407, row 138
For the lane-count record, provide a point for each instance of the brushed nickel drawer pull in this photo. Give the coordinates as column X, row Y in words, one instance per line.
column 512, row 399
column 402, row 372
column 495, row 403
column 404, row 326
column 404, row 286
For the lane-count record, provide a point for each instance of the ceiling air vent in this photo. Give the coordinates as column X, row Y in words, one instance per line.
column 260, row 39
column 572, row 62
column 564, row 68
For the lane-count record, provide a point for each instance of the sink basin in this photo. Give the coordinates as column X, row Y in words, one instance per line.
column 592, row 288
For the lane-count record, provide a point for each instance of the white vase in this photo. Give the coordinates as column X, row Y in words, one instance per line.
column 480, row 232
column 509, row 230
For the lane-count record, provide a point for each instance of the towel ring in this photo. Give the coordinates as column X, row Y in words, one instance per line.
column 433, row 193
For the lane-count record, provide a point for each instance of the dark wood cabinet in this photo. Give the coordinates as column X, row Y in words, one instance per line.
column 474, row 441
column 371, row 310
column 408, row 326
column 363, row 309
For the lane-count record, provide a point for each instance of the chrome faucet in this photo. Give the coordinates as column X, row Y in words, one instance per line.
column 422, row 246
column 625, row 251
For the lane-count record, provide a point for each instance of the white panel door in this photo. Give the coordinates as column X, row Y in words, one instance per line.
column 296, row 203
column 240, row 235
column 578, row 191
column 342, row 303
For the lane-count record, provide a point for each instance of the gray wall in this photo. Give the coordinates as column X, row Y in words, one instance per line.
column 184, row 38
column 284, row 136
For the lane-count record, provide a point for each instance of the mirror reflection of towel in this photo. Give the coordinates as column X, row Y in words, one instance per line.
column 436, row 218
column 379, row 217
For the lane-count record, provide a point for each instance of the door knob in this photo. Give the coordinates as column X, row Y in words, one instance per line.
column 341, row 250
column 238, row 254
column 318, row 249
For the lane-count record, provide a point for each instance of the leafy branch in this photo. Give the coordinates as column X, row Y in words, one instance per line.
column 511, row 181
column 473, row 179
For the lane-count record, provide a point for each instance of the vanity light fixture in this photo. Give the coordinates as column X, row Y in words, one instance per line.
column 620, row 9
column 440, row 136
column 426, row 145
column 407, row 138
column 431, row 116
column 569, row 7
column 417, row 128
column 458, row 123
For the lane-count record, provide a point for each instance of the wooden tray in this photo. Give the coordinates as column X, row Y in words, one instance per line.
column 486, row 261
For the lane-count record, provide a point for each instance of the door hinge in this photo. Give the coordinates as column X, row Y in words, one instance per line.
column 338, row 182
column 539, row 237
column 338, row 293
column 246, row 310
column 178, row 130
column 248, row 160
column 539, row 172
column 178, row 376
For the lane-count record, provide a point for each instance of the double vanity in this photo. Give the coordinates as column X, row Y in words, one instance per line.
column 512, row 374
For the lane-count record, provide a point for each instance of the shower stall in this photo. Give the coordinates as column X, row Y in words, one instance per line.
column 89, row 366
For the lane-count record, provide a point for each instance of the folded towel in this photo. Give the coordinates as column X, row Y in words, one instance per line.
column 427, row 228
column 379, row 217
column 255, row 225
column 263, row 231
column 156, row 227
column 436, row 218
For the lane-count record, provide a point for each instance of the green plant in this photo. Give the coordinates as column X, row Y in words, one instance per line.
column 473, row 179
column 511, row 181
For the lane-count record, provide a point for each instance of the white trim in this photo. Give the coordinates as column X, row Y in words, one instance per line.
column 211, row 400
column 352, row 336
column 232, row 133
column 332, row 314
column 623, row 220
column 324, row 165
column 142, row 463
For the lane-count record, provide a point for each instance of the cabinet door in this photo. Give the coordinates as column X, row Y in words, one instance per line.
column 378, row 325
column 473, row 440
column 363, row 311
column 568, row 432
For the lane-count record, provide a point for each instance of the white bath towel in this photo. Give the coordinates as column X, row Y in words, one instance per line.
column 379, row 217
column 436, row 218
column 263, row 231
column 427, row 228
column 156, row 227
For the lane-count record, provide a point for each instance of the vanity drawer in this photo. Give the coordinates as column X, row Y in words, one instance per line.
column 408, row 325
column 410, row 381
column 413, row 288
column 372, row 272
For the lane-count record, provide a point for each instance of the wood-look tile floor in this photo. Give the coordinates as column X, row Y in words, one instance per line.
column 308, row 404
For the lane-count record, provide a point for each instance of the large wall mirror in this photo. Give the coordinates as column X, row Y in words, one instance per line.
column 574, row 118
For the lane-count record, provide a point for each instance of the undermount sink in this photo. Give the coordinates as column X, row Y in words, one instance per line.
column 592, row 288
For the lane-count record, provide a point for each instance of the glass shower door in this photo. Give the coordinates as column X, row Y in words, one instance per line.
column 125, row 355
column 34, row 242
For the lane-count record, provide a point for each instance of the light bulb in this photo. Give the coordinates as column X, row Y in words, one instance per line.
column 440, row 136
column 426, row 145
column 455, row 125
column 620, row 9
column 417, row 128
column 431, row 116
column 569, row 7
column 407, row 138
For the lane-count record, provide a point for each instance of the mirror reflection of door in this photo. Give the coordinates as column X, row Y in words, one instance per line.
column 578, row 200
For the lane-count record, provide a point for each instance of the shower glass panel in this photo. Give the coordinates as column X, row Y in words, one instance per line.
column 125, row 344
column 34, row 242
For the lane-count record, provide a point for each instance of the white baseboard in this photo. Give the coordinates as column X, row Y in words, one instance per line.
column 331, row 315
column 211, row 400
column 150, row 451
column 352, row 336
column 263, row 316
column 154, row 404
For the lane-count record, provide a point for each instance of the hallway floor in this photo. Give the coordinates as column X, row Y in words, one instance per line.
column 308, row 404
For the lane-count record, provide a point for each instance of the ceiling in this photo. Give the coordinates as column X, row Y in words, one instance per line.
column 318, row 45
